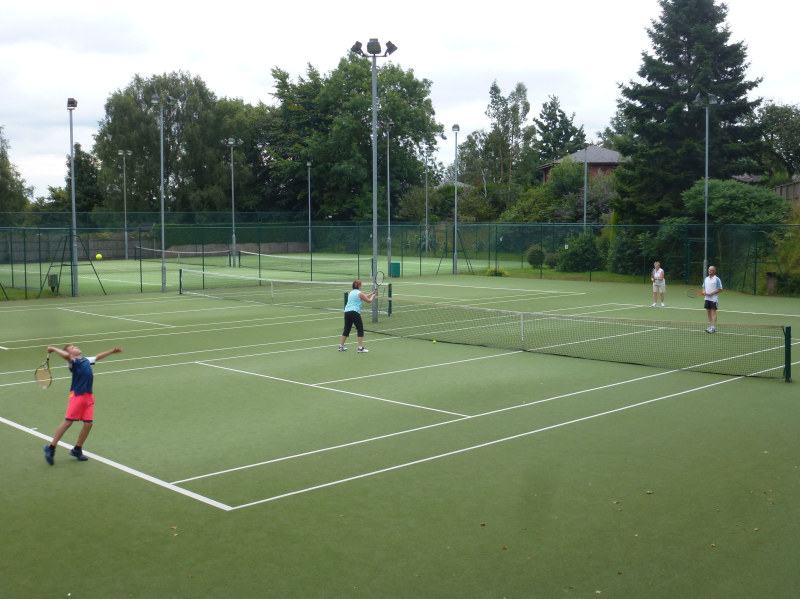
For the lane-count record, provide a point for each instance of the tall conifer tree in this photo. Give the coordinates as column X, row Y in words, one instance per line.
column 692, row 53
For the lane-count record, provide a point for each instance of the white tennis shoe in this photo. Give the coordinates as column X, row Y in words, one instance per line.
column 363, row 350
column 654, row 306
column 342, row 348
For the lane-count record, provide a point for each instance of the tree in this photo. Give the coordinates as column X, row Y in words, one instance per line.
column 736, row 203
column 327, row 119
column 196, row 173
column 692, row 54
column 780, row 126
column 557, row 134
column 617, row 132
column 88, row 194
column 13, row 190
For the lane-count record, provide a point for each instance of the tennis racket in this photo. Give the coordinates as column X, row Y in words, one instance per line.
column 694, row 293
column 42, row 375
column 378, row 281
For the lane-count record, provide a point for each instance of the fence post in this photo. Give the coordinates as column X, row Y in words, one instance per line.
column 11, row 254
column 141, row 275
column 25, row 263
column 755, row 263
column 495, row 248
column 788, row 368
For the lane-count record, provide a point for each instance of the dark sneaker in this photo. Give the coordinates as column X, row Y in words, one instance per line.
column 78, row 454
column 49, row 454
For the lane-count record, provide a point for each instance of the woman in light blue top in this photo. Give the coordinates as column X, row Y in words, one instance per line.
column 352, row 316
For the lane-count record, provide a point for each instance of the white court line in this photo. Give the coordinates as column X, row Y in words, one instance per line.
column 198, row 351
column 1, row 347
column 275, row 378
column 492, row 288
column 145, row 299
column 498, row 411
column 160, row 327
column 506, row 301
column 482, row 445
column 579, row 307
column 173, row 332
column 700, row 308
column 119, row 466
column 367, row 376
column 117, row 317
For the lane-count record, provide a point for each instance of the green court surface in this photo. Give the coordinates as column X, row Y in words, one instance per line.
column 236, row 453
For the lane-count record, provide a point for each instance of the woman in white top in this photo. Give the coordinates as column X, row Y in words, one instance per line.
column 659, row 284
column 352, row 316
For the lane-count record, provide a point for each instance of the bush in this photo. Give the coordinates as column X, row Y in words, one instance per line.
column 580, row 255
column 551, row 260
column 534, row 256
column 497, row 272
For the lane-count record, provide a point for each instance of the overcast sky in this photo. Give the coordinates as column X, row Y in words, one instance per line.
column 577, row 50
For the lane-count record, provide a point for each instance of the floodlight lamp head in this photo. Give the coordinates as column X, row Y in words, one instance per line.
column 697, row 101
column 239, row 142
column 72, row 103
column 120, row 152
column 356, row 49
column 374, row 46
column 130, row 152
column 390, row 48
column 456, row 128
column 713, row 100
column 308, row 164
column 155, row 99
column 171, row 101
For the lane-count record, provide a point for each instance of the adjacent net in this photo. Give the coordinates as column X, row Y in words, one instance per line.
column 738, row 350
column 193, row 258
column 303, row 294
column 346, row 267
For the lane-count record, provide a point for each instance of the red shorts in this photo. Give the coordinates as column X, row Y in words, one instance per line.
column 81, row 407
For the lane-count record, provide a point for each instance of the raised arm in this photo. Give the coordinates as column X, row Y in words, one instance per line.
column 60, row 352
column 367, row 297
column 105, row 354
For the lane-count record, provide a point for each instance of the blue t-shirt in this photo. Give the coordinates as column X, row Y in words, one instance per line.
column 82, row 375
column 353, row 302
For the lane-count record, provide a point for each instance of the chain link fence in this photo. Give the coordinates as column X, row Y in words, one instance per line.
column 37, row 261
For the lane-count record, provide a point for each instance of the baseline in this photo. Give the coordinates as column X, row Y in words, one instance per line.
column 123, row 468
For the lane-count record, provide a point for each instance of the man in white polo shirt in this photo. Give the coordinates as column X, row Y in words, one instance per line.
column 712, row 286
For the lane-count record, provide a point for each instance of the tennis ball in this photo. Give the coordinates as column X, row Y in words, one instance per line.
column 99, row 256
column 434, row 340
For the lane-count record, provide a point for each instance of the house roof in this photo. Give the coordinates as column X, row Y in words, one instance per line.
column 594, row 155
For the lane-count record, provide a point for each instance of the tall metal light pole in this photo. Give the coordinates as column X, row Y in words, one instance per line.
column 712, row 101
column 72, row 104
column 585, row 181
column 389, row 124
column 374, row 48
column 232, row 143
column 456, row 129
column 155, row 100
column 308, row 164
column 124, row 154
column 428, row 153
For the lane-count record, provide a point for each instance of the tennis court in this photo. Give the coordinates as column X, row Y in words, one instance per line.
column 236, row 453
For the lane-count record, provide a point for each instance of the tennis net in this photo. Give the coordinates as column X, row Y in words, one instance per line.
column 346, row 267
column 734, row 349
column 202, row 258
column 737, row 350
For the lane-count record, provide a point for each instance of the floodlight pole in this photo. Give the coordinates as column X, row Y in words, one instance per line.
column 705, row 234
column 585, row 182
column 233, row 214
column 388, row 203
column 163, row 235
column 308, row 164
column 375, row 181
column 125, row 195
column 71, row 105
column 455, row 232
column 427, row 155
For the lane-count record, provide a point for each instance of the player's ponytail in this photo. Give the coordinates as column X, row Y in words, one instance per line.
column 356, row 284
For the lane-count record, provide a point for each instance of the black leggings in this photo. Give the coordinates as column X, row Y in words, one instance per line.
column 352, row 318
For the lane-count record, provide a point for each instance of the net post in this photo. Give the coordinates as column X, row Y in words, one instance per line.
column 522, row 328
column 787, row 331
column 272, row 291
column 390, row 299
column 180, row 281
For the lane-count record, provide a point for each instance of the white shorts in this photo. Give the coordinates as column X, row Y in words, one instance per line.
column 659, row 286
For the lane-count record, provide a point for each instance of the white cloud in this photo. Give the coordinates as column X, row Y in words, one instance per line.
column 577, row 51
